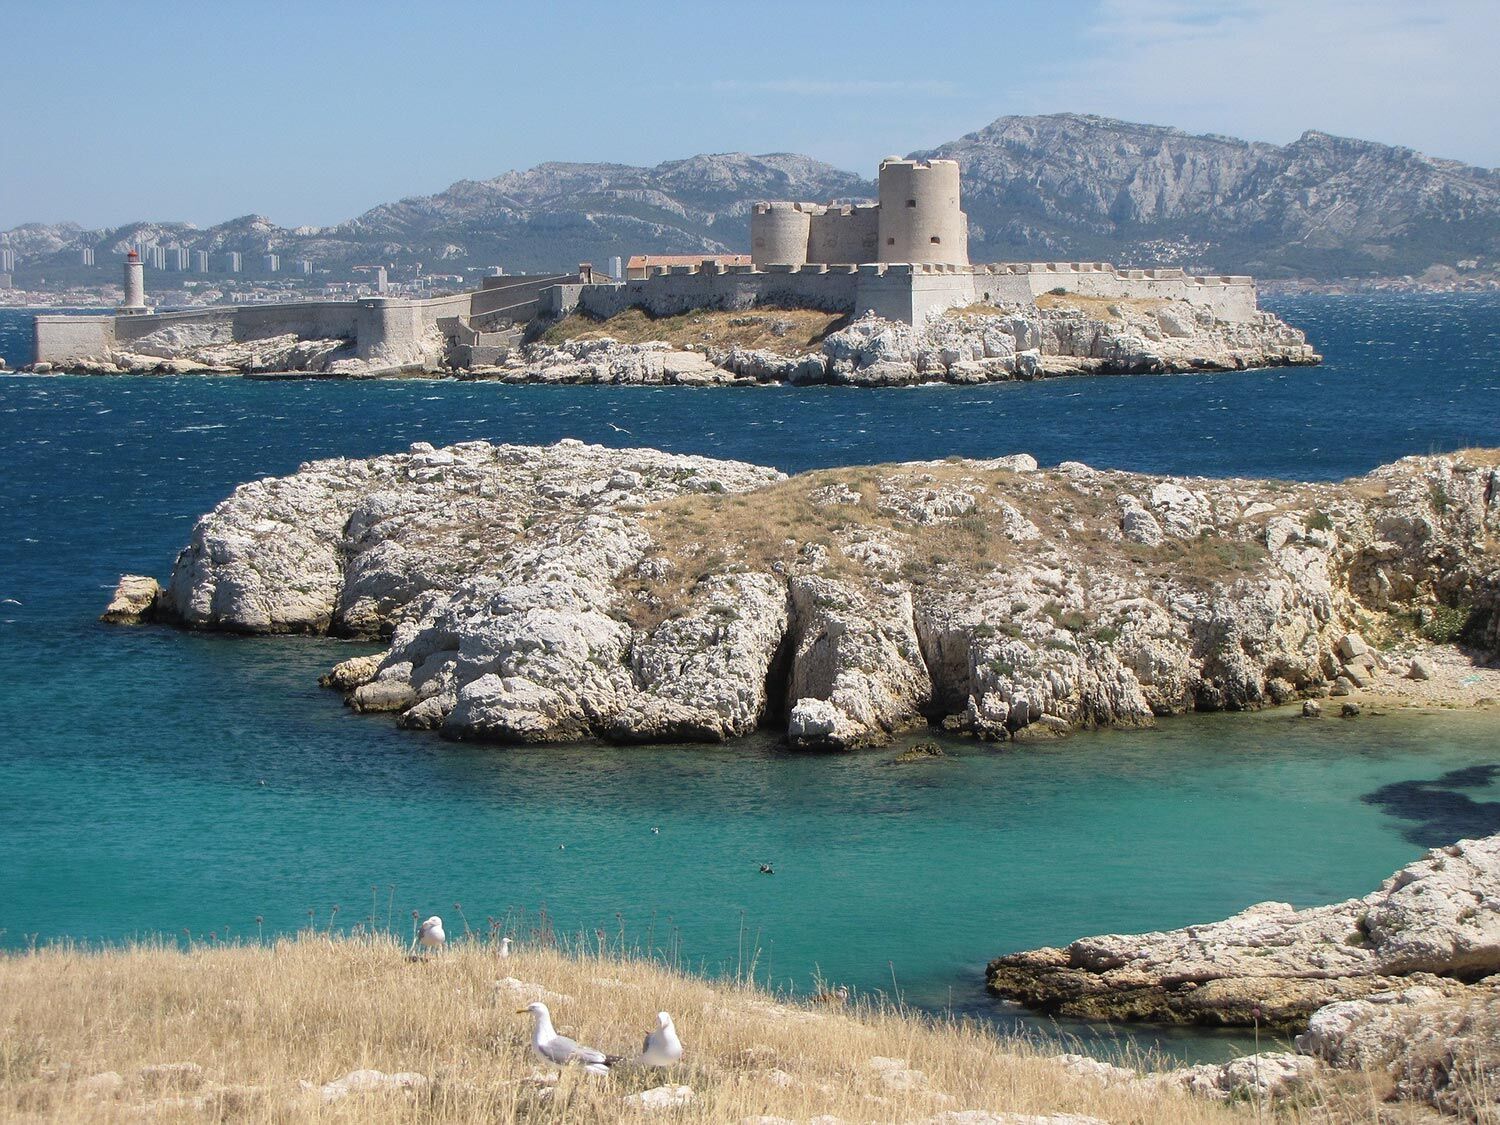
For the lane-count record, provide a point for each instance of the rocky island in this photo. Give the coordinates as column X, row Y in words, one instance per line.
column 573, row 591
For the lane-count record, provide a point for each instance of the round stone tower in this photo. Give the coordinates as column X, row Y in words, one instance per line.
column 778, row 234
column 920, row 220
column 135, row 285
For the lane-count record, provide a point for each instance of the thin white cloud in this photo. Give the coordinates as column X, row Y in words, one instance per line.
column 834, row 88
column 1416, row 74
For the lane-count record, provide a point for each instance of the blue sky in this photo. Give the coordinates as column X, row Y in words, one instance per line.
column 315, row 110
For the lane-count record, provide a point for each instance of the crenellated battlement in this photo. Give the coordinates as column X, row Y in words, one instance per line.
column 1161, row 273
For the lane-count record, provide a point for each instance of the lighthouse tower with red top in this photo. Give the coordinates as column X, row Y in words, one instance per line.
column 135, row 286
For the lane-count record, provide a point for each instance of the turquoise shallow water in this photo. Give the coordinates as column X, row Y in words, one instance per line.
column 132, row 761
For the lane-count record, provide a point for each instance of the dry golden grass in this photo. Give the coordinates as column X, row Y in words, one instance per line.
column 264, row 1022
column 708, row 534
column 783, row 331
column 1100, row 308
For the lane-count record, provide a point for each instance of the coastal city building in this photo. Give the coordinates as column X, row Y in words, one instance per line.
column 200, row 261
column 272, row 263
column 7, row 259
column 180, row 259
column 86, row 256
column 235, row 262
column 617, row 268
column 155, row 257
column 304, row 266
column 382, row 283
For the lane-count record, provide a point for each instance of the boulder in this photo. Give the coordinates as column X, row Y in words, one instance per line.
column 134, row 600
column 370, row 1081
column 1420, row 669
column 659, row 1097
column 1351, row 646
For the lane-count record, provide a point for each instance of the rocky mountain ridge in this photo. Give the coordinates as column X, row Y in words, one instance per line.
column 1063, row 186
column 546, row 594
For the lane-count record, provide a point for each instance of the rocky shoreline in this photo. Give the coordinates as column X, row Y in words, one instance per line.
column 573, row 591
column 980, row 345
column 1405, row 980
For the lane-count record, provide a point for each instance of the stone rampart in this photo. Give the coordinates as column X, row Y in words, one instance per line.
column 61, row 339
column 391, row 330
column 896, row 291
column 1228, row 296
column 844, row 234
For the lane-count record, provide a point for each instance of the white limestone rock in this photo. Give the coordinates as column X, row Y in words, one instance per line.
column 135, row 598
column 659, row 1098
column 542, row 594
column 1436, row 919
column 368, row 1081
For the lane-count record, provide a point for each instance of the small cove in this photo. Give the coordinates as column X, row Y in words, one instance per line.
column 130, row 779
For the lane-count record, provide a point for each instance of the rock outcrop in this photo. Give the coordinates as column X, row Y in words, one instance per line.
column 574, row 591
column 980, row 346
column 1435, row 923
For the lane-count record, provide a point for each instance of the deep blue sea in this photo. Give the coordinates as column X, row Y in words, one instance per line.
column 159, row 782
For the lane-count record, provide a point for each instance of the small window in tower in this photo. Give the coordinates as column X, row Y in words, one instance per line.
column 911, row 202
column 890, row 242
column 935, row 238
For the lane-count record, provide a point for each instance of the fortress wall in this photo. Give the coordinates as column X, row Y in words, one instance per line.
column 844, row 235
column 900, row 292
column 686, row 288
column 492, row 298
column 920, row 220
column 1003, row 288
column 1229, row 297
column 310, row 320
column 61, row 339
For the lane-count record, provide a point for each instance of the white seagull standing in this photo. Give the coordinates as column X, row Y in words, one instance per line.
column 662, row 1047
column 504, row 948
column 559, row 1050
column 430, row 933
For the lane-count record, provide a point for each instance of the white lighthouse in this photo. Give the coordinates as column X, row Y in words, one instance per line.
column 135, row 286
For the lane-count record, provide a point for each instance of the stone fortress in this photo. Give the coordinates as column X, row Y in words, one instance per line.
column 904, row 258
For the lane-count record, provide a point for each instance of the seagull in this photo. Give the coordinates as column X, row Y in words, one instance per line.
column 430, row 934
column 618, row 429
column 656, row 831
column 662, row 1047
column 765, row 869
column 839, row 995
column 559, row 1050
column 504, row 948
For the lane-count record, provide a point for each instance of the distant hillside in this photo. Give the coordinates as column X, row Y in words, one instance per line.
column 1061, row 186
column 1085, row 187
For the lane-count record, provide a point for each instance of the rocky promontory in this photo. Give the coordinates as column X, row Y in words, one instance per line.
column 545, row 594
column 1435, row 924
column 1401, row 986
column 1057, row 335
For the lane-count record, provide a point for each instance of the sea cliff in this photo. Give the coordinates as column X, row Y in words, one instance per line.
column 544, row 594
